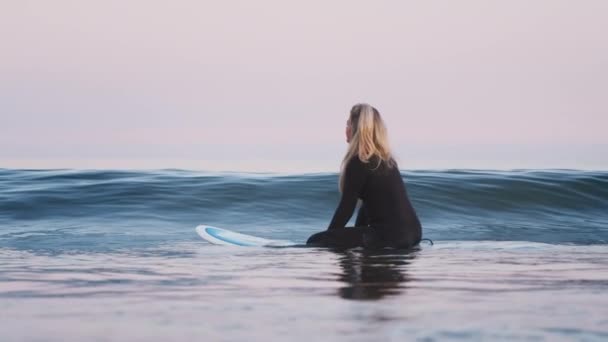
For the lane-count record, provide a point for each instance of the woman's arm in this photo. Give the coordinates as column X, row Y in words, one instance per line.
column 354, row 179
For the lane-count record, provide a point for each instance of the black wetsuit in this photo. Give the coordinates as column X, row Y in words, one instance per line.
column 386, row 218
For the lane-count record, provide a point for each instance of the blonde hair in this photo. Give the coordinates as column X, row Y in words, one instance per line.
column 369, row 138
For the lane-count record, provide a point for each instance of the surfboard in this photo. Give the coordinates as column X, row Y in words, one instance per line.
column 219, row 236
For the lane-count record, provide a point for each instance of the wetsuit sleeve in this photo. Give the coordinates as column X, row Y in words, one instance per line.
column 362, row 220
column 354, row 179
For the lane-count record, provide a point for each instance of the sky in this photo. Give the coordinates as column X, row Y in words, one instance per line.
column 267, row 85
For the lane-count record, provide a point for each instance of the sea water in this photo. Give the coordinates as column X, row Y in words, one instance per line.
column 113, row 255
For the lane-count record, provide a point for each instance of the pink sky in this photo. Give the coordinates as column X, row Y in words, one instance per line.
column 460, row 84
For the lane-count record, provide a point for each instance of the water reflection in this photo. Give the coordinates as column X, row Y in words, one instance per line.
column 371, row 275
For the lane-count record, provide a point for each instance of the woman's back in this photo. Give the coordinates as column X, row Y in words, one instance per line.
column 386, row 204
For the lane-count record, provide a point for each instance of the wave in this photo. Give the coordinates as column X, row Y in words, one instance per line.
column 552, row 206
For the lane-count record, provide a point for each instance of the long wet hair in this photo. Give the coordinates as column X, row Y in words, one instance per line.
column 369, row 138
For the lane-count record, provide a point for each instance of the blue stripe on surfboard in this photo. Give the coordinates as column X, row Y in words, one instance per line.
column 217, row 233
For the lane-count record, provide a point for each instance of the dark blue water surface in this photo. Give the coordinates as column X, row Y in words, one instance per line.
column 61, row 210
column 113, row 255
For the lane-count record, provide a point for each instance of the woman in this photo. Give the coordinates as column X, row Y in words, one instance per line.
column 369, row 172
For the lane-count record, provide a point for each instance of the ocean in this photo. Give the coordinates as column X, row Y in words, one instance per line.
column 112, row 255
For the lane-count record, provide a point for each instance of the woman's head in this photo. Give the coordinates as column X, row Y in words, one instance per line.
column 367, row 136
column 364, row 115
column 368, row 116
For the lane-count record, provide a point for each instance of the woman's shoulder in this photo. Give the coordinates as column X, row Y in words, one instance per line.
column 355, row 163
column 373, row 163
